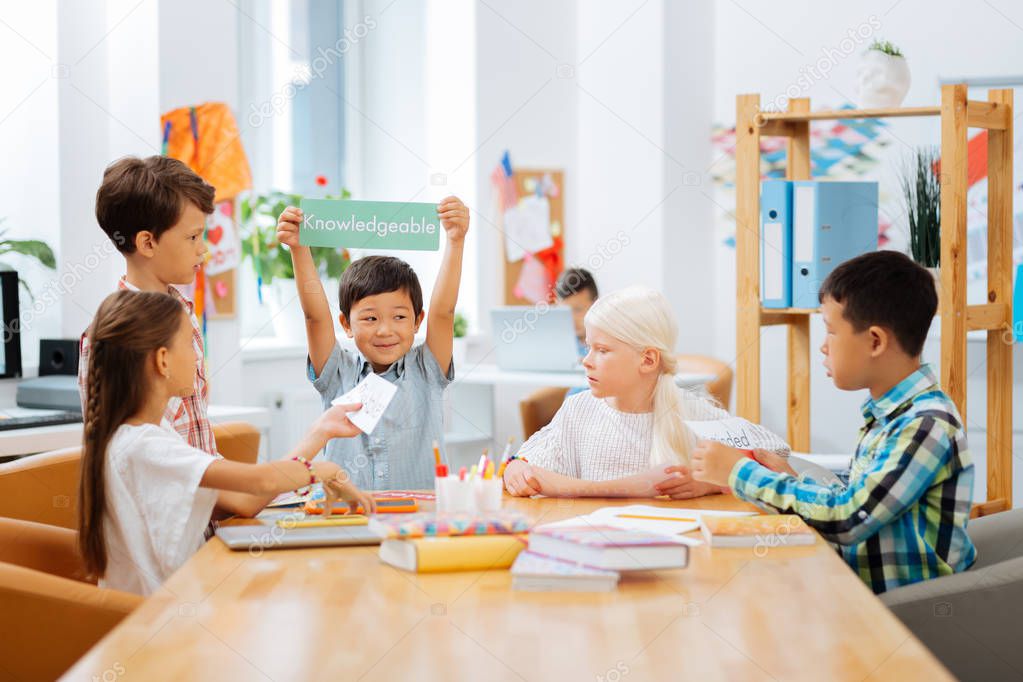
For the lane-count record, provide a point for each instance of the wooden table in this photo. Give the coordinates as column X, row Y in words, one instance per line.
column 340, row 614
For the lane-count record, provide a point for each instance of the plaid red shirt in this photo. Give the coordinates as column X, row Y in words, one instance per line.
column 189, row 416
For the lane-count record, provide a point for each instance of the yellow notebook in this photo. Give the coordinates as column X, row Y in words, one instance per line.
column 767, row 530
column 437, row 555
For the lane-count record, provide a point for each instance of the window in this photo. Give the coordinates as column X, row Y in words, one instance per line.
column 294, row 88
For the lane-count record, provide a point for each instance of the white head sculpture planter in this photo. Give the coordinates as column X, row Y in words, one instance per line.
column 883, row 80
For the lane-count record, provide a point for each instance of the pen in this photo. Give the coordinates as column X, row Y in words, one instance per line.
column 350, row 520
column 654, row 518
column 507, row 450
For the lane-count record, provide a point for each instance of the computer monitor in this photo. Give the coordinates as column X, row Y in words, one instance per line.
column 535, row 339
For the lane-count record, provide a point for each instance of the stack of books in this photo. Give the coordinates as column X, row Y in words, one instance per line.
column 591, row 558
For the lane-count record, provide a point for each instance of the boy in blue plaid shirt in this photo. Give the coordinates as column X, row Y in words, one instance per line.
column 902, row 516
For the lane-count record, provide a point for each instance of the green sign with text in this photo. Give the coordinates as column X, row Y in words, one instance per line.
column 369, row 224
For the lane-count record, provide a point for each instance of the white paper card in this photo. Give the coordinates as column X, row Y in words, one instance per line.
column 527, row 228
column 375, row 394
column 734, row 432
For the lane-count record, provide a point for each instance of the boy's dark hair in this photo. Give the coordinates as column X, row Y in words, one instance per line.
column 887, row 289
column 147, row 195
column 374, row 275
column 574, row 280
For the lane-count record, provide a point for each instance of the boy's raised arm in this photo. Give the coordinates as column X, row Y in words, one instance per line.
column 319, row 326
column 440, row 323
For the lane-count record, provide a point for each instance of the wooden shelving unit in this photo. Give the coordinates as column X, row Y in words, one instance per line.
column 957, row 113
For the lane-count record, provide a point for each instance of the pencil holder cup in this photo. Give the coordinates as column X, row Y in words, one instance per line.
column 487, row 493
column 440, row 486
column 455, row 495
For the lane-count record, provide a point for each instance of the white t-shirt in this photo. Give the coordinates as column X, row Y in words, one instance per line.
column 156, row 511
column 590, row 440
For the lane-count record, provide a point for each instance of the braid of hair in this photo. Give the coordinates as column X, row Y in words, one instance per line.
column 93, row 388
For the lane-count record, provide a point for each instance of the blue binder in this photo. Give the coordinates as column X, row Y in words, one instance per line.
column 832, row 221
column 776, row 244
column 1017, row 306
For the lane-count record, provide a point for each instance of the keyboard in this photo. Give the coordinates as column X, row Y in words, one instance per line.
column 28, row 422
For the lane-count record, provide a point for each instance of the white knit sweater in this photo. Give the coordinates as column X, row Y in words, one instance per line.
column 590, row 440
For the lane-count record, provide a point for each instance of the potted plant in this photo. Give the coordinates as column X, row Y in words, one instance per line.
column 32, row 248
column 459, row 347
column 921, row 191
column 258, row 215
column 883, row 77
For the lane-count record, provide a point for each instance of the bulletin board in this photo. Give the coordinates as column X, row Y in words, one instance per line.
column 526, row 181
column 223, row 288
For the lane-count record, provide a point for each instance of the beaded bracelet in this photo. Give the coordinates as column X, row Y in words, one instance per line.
column 504, row 465
column 312, row 477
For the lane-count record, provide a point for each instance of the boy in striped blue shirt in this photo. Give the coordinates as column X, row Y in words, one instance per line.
column 901, row 518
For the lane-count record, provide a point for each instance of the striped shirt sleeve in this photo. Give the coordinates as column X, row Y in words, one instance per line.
column 548, row 448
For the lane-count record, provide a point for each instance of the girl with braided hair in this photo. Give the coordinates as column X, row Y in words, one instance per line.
column 145, row 494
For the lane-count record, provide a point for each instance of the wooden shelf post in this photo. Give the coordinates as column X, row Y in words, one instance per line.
column 747, row 249
column 999, row 282
column 797, row 161
column 952, row 301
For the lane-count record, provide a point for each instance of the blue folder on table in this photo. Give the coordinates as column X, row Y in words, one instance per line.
column 832, row 221
column 776, row 243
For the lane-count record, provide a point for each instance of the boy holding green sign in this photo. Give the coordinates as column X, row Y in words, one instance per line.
column 381, row 304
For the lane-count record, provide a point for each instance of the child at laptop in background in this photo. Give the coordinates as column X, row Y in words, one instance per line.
column 627, row 435
column 381, row 305
column 577, row 289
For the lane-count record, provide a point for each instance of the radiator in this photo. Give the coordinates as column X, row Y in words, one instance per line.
column 292, row 412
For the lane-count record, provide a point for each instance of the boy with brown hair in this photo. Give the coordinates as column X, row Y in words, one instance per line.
column 154, row 211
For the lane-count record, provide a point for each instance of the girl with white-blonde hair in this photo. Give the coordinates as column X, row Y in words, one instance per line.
column 627, row 435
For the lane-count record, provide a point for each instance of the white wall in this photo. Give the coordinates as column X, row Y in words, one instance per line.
column 29, row 184
column 107, row 108
column 645, row 84
column 524, row 107
column 83, row 94
column 619, row 95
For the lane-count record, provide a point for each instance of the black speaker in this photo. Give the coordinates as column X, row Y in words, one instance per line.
column 58, row 356
column 10, row 358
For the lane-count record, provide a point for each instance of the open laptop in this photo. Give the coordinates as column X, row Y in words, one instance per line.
column 535, row 339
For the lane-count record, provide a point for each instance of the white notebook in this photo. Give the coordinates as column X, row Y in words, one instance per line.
column 536, row 573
